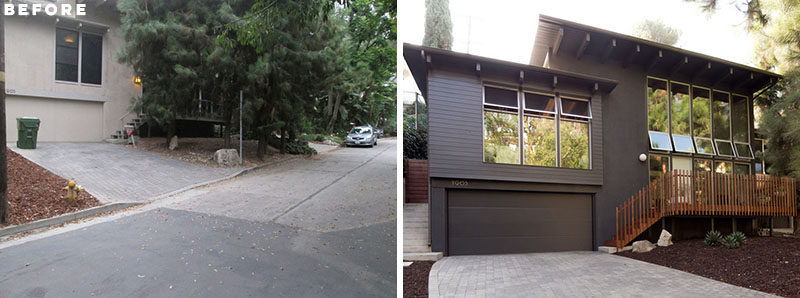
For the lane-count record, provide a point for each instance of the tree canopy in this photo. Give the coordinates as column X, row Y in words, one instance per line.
column 658, row 31
column 438, row 26
column 305, row 66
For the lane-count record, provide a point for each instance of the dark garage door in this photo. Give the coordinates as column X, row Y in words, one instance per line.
column 495, row 222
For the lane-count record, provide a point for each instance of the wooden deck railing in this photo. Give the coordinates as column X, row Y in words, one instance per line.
column 682, row 192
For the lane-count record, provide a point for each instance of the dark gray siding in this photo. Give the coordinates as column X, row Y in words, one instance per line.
column 455, row 131
column 624, row 135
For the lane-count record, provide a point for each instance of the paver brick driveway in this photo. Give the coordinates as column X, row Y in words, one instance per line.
column 569, row 274
column 115, row 173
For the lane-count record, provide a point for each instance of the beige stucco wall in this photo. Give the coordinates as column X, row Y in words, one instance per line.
column 69, row 111
column 62, row 120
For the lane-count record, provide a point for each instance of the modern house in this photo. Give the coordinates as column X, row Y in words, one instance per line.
column 602, row 139
column 63, row 70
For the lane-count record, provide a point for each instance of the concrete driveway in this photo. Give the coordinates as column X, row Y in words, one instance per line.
column 569, row 274
column 323, row 226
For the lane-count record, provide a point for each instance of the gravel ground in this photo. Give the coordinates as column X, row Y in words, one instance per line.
column 35, row 193
column 767, row 264
column 201, row 150
column 415, row 279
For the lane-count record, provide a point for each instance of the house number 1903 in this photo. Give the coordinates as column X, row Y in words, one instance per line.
column 460, row 183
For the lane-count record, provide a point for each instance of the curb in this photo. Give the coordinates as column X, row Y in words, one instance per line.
column 47, row 222
column 64, row 218
column 234, row 175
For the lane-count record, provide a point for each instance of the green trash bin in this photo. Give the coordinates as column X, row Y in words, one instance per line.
column 27, row 132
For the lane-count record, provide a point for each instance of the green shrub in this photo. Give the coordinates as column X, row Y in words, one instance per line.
column 740, row 237
column 299, row 147
column 415, row 144
column 712, row 238
column 730, row 242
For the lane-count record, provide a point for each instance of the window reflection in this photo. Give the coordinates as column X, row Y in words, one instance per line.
column 574, row 144
column 500, row 137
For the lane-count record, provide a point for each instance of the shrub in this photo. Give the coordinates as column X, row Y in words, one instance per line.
column 739, row 236
column 415, row 144
column 299, row 147
column 730, row 242
column 713, row 238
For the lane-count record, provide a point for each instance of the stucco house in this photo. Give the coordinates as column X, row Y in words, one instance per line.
column 600, row 140
column 63, row 70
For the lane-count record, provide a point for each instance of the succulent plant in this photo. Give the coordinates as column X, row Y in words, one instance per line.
column 713, row 238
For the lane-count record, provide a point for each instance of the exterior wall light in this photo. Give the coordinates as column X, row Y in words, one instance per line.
column 642, row 157
column 137, row 80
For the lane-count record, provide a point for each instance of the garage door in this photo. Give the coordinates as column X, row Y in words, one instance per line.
column 496, row 222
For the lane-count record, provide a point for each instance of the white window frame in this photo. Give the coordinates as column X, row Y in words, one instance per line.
column 691, row 142
column 555, row 103
column 719, row 152
column 520, row 111
column 80, row 57
column 561, row 107
column 713, row 146
column 669, row 137
column 749, row 147
column 483, row 92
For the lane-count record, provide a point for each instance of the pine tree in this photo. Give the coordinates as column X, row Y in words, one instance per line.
column 438, row 26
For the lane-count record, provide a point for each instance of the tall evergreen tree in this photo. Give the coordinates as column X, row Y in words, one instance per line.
column 438, row 26
column 167, row 44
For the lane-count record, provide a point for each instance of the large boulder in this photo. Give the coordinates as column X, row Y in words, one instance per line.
column 643, row 246
column 665, row 239
column 173, row 143
column 226, row 157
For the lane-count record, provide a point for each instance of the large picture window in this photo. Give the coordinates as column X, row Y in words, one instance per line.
column 681, row 119
column 67, row 55
column 575, row 144
column 79, row 57
column 721, row 113
column 540, row 130
column 555, row 130
column 500, row 126
column 658, row 114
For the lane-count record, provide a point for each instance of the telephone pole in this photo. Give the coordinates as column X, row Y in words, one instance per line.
column 3, row 160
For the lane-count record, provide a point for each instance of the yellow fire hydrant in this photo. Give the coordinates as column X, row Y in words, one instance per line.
column 72, row 191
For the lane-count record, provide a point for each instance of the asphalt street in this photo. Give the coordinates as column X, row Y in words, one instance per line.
column 311, row 227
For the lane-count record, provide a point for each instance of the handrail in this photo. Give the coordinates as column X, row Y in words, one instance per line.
column 684, row 192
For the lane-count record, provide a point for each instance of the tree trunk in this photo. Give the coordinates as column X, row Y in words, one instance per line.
column 262, row 145
column 329, row 107
column 283, row 140
column 172, row 129
column 335, row 113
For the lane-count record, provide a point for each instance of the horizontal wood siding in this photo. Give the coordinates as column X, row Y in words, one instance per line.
column 455, row 136
column 416, row 180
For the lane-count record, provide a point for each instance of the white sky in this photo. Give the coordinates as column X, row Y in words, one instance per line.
column 505, row 29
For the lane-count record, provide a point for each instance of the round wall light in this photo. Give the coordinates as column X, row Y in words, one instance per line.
column 642, row 157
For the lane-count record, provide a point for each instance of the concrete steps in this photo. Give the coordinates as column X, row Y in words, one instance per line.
column 415, row 228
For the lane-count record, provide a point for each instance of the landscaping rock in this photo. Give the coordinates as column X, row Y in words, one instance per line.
column 226, row 157
column 665, row 239
column 643, row 246
column 330, row 143
column 173, row 143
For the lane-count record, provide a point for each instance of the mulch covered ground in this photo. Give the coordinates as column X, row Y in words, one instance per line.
column 200, row 151
column 35, row 193
column 767, row 264
column 415, row 279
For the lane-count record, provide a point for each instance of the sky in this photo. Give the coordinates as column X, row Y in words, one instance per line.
column 505, row 29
